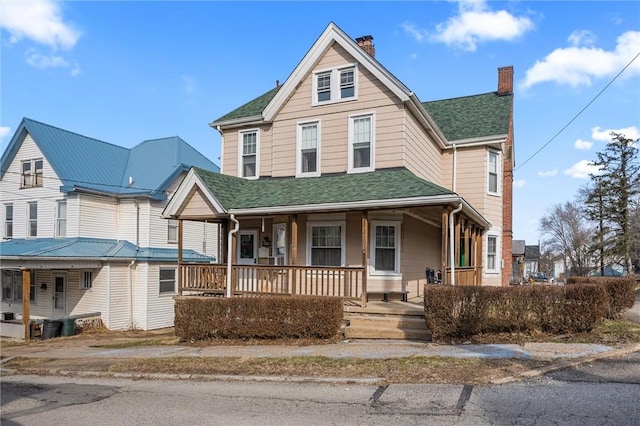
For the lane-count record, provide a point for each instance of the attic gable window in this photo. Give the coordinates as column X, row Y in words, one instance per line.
column 249, row 149
column 31, row 173
column 335, row 85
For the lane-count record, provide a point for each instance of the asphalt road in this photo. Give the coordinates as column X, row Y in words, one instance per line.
column 604, row 392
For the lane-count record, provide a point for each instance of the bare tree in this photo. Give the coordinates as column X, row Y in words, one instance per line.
column 567, row 233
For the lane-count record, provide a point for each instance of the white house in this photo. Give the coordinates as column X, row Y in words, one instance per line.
column 82, row 223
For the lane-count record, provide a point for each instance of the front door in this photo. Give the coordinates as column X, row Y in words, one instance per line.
column 247, row 247
column 59, row 295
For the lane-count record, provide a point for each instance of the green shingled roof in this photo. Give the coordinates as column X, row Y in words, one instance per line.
column 251, row 108
column 237, row 193
column 471, row 116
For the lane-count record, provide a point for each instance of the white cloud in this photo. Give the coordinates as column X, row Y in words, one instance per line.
column 4, row 131
column 519, row 183
column 582, row 169
column 548, row 173
column 40, row 61
column 415, row 32
column 630, row 132
column 582, row 144
column 476, row 24
column 40, row 21
column 581, row 62
column 413, row 56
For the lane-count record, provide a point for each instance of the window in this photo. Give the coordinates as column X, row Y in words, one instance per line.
column 492, row 253
column 167, row 281
column 31, row 173
column 249, row 142
column 385, row 248
column 335, row 85
column 12, row 285
column 325, row 244
column 32, row 215
column 172, row 231
column 307, row 163
column 61, row 219
column 86, row 280
column 493, row 168
column 361, row 143
column 8, row 221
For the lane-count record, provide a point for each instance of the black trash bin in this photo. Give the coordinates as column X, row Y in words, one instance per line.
column 51, row 328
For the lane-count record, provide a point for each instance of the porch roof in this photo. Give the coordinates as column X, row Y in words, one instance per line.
column 92, row 248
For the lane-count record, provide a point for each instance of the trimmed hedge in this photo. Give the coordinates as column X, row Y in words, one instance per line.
column 273, row 317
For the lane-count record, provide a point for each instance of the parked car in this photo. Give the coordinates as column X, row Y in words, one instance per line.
column 539, row 277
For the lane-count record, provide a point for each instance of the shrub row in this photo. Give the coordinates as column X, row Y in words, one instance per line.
column 273, row 317
column 466, row 311
column 621, row 292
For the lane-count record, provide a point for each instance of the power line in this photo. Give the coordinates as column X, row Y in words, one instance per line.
column 579, row 113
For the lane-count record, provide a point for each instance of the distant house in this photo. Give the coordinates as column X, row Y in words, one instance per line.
column 531, row 259
column 352, row 186
column 82, row 223
column 518, row 261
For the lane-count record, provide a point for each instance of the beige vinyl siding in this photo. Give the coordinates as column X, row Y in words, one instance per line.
column 98, row 216
column 420, row 250
column 231, row 150
column 46, row 196
column 353, row 238
column 447, row 169
column 197, row 206
column 422, row 155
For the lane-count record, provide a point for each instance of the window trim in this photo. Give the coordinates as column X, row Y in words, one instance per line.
column 490, row 153
column 343, row 245
column 83, row 279
column 175, row 283
column 335, row 84
column 30, row 180
column 60, row 219
column 241, row 154
column 8, row 221
column 299, row 126
column 496, row 268
column 172, row 224
column 276, row 227
column 372, row 143
column 372, row 247
column 18, row 286
column 30, row 219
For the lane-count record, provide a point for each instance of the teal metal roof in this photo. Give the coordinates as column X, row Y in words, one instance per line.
column 93, row 248
column 386, row 184
column 85, row 163
column 472, row 117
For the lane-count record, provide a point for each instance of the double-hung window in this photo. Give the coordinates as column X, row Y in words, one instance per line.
column 308, row 157
column 8, row 221
column 492, row 253
column 326, row 244
column 61, row 219
column 335, row 85
column 167, row 282
column 385, row 248
column 31, row 173
column 249, row 146
column 12, row 285
column 32, row 219
column 493, row 169
column 361, row 143
column 172, row 231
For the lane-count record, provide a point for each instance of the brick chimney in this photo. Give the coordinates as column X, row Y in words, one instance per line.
column 505, row 80
column 365, row 43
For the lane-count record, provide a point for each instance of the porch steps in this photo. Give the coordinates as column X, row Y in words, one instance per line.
column 386, row 321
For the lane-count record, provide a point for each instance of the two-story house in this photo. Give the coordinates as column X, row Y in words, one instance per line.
column 351, row 185
column 82, row 226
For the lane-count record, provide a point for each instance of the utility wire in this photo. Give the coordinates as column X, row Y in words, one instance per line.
column 579, row 113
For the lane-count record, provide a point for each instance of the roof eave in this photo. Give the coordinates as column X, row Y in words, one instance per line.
column 254, row 119
column 485, row 140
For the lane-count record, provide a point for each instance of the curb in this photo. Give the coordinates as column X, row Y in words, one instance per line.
column 568, row 364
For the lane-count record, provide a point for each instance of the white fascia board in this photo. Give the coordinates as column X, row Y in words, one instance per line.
column 254, row 119
column 37, row 262
column 490, row 140
column 369, row 204
column 179, row 197
column 332, row 33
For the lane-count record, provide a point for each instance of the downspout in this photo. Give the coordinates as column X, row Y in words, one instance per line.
column 131, row 265
column 229, row 254
column 137, row 225
column 452, row 251
column 455, row 168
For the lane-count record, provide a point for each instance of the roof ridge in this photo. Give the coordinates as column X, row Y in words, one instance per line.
column 461, row 97
column 74, row 133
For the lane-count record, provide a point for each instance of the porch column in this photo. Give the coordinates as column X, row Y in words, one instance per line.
column 445, row 244
column 365, row 255
column 294, row 251
column 26, row 303
column 467, row 258
column 180, row 270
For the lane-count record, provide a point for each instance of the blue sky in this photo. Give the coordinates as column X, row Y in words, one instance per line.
column 125, row 72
